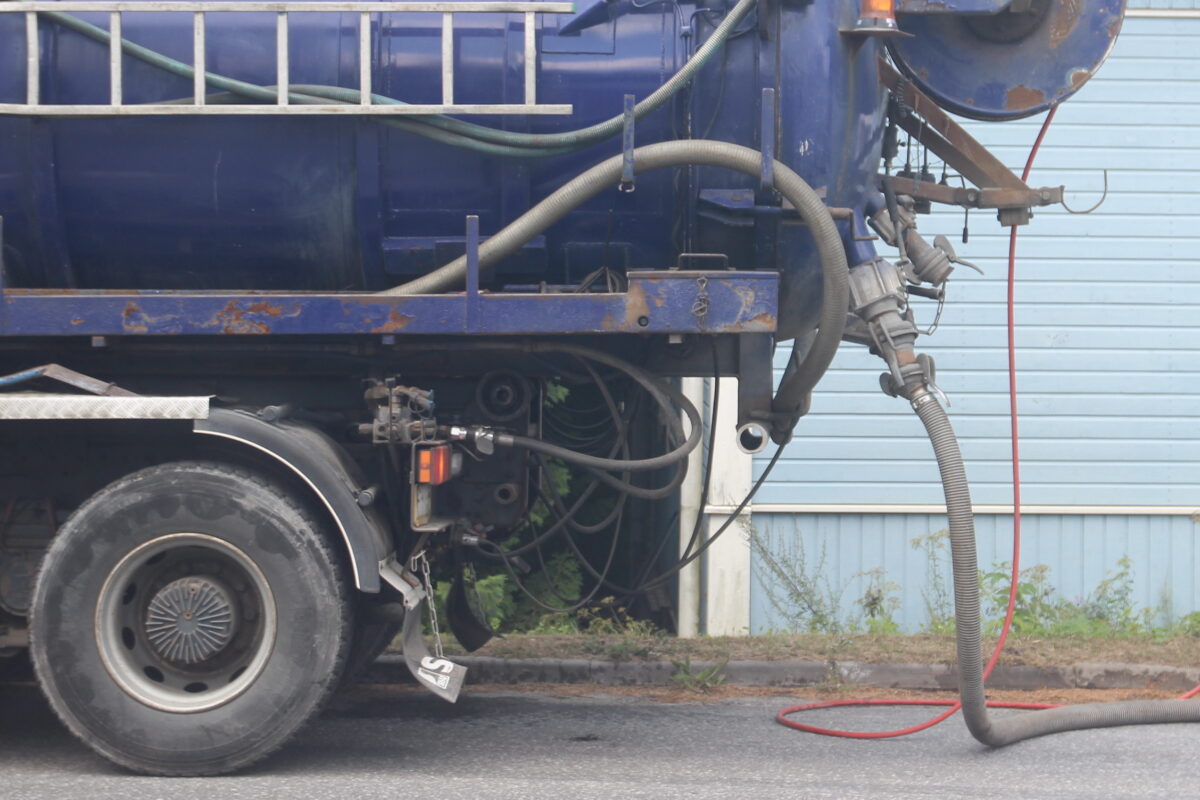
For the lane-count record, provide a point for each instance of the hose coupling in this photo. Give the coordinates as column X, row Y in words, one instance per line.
column 878, row 298
column 929, row 262
column 484, row 438
column 920, row 396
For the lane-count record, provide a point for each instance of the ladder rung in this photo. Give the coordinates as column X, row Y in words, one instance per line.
column 199, row 58
column 117, row 106
column 448, row 59
column 114, row 58
column 364, row 58
column 281, row 57
column 33, row 60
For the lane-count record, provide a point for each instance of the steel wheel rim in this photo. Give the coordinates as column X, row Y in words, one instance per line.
column 185, row 623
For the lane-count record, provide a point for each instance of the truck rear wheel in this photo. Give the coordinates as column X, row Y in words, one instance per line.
column 188, row 619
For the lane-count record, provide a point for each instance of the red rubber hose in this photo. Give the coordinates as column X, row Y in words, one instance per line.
column 953, row 706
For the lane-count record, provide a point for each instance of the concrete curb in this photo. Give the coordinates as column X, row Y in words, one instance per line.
column 481, row 669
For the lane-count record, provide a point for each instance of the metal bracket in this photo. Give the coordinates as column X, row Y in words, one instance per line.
column 403, row 581
column 766, row 143
column 767, row 202
column 627, row 177
column 971, row 197
column 472, row 304
column 933, row 128
column 684, row 258
column 755, row 378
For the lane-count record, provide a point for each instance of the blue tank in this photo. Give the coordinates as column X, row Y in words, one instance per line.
column 313, row 203
column 340, row 203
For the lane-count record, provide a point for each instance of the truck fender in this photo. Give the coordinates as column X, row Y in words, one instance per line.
column 326, row 469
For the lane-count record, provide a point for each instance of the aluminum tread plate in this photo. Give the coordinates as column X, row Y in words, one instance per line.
column 34, row 406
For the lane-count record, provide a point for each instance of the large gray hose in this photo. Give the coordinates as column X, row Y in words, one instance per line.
column 797, row 383
column 998, row 733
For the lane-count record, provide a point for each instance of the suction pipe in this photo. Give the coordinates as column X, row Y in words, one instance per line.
column 998, row 733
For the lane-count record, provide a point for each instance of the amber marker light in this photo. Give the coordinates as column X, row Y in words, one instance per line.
column 878, row 9
column 876, row 17
column 434, row 464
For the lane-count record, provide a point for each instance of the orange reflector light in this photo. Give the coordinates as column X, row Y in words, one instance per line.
column 878, row 9
column 434, row 464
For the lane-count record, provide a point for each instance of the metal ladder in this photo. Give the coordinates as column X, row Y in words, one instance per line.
column 117, row 107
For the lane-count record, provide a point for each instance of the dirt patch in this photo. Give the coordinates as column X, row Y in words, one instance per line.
column 670, row 694
column 1179, row 651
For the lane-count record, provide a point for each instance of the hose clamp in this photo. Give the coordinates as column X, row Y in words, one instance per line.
column 921, row 398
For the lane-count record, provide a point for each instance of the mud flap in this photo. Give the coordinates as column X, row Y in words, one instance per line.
column 439, row 675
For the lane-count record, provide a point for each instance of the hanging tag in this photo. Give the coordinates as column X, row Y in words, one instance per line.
column 439, row 675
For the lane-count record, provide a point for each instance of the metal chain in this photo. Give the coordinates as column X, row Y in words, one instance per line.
column 433, row 607
column 421, row 563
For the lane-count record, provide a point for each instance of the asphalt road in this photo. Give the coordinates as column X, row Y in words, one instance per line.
column 386, row 742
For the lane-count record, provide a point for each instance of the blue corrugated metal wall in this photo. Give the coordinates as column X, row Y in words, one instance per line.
column 1108, row 351
column 837, row 549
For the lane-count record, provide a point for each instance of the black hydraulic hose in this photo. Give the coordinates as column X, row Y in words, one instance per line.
column 792, row 395
column 1001, row 732
column 663, row 393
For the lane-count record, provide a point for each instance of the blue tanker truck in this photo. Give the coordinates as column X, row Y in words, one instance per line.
column 292, row 293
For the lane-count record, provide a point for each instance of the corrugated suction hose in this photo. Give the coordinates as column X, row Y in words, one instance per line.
column 794, row 388
column 998, row 733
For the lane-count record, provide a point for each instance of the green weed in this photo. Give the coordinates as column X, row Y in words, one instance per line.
column 686, row 677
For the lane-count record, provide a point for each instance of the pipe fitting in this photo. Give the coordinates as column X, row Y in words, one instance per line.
column 930, row 263
column 879, row 298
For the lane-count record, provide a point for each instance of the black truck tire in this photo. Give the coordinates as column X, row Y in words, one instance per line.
column 188, row 619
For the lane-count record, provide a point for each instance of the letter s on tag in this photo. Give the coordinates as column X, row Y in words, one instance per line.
column 437, row 664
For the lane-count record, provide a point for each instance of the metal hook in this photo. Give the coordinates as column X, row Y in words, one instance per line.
column 1099, row 202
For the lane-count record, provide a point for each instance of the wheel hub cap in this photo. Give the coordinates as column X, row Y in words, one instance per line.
column 190, row 619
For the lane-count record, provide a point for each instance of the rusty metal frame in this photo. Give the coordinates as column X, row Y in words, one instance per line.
column 662, row 301
column 997, row 185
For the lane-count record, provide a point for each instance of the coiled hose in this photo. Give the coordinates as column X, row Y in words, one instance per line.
column 998, row 733
column 797, row 383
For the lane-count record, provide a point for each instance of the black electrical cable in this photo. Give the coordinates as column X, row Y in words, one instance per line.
column 663, row 394
column 565, row 521
column 661, row 579
column 579, row 503
column 656, row 387
column 623, row 437
column 642, row 585
column 554, row 502
column 506, row 561
column 581, row 430
column 622, row 484
column 708, row 472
